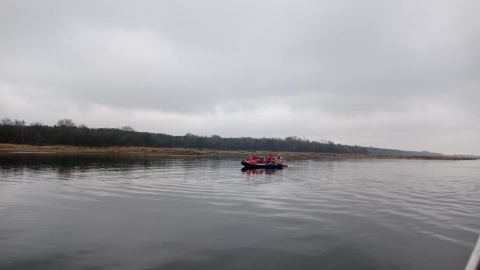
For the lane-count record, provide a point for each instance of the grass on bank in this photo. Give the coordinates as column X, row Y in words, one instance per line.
column 12, row 148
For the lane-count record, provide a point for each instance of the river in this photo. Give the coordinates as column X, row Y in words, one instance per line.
column 61, row 211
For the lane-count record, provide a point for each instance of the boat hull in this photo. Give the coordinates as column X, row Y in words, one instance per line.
column 262, row 165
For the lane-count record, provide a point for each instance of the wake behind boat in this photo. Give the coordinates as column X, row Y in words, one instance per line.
column 270, row 162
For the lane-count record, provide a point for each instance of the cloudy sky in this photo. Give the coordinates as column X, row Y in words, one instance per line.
column 391, row 74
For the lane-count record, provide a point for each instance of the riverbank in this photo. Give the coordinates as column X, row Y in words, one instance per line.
column 19, row 148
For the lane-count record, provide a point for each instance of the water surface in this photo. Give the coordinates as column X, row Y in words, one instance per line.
column 133, row 212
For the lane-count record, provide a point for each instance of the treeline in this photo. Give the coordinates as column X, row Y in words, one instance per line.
column 65, row 132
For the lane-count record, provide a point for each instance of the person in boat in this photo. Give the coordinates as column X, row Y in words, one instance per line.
column 253, row 159
column 268, row 158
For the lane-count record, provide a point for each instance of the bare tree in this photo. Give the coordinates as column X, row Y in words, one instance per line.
column 19, row 123
column 65, row 123
column 7, row 122
column 36, row 124
column 127, row 128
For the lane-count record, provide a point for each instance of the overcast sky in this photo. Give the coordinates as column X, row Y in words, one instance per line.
column 391, row 74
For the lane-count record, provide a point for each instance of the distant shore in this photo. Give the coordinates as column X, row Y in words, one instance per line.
column 23, row 148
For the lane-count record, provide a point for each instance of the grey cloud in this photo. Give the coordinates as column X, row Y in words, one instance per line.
column 338, row 59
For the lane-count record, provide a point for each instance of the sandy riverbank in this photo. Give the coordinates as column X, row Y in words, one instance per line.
column 12, row 148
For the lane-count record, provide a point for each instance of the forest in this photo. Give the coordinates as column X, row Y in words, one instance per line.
column 66, row 132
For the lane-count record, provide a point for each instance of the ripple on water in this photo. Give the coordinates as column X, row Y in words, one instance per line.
column 206, row 203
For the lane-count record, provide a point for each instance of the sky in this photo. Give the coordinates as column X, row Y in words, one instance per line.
column 390, row 74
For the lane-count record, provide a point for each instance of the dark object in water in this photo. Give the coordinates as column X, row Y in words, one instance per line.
column 249, row 164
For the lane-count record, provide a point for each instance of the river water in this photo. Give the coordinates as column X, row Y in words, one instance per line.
column 135, row 212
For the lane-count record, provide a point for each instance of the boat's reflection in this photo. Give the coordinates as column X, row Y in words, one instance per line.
column 252, row 171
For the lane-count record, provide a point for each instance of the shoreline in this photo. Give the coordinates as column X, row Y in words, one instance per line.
column 24, row 148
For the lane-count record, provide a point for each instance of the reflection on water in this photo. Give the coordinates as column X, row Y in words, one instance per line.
column 138, row 212
column 249, row 171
